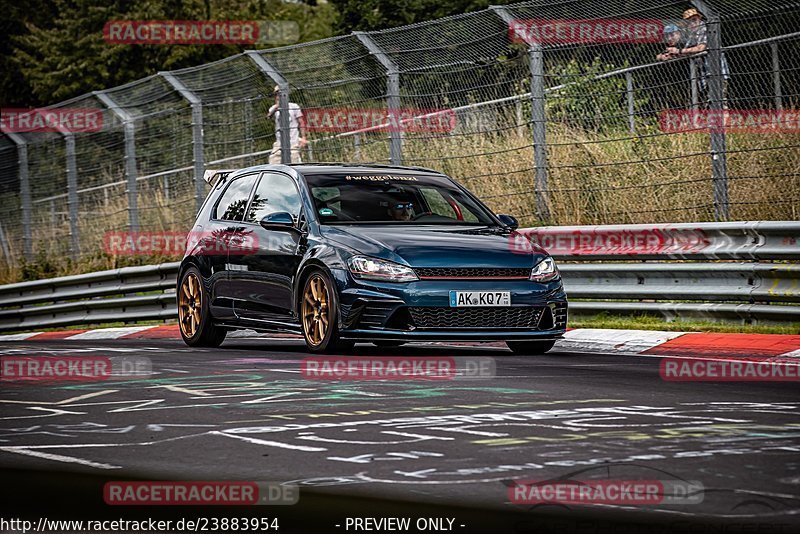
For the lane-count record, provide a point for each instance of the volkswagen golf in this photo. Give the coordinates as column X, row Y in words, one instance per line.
column 349, row 253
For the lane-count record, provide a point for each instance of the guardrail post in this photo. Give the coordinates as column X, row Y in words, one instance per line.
column 538, row 124
column 392, row 96
column 776, row 77
column 197, row 135
column 719, row 164
column 129, row 129
column 24, row 192
column 283, row 102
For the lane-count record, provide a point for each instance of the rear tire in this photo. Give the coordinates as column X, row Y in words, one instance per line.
column 319, row 315
column 194, row 318
column 531, row 348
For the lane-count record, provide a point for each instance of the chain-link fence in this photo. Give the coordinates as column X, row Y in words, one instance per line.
column 546, row 109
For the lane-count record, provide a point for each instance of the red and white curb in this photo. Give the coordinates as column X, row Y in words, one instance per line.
column 599, row 340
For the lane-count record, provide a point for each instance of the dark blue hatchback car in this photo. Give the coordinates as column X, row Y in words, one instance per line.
column 346, row 253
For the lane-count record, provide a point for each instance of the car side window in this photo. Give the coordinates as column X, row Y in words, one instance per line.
column 439, row 205
column 233, row 202
column 274, row 193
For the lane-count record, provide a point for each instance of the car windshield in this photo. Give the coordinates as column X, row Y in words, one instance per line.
column 355, row 198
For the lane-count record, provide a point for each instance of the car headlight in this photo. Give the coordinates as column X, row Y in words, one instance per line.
column 381, row 270
column 545, row 270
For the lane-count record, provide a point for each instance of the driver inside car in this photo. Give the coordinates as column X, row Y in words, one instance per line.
column 401, row 210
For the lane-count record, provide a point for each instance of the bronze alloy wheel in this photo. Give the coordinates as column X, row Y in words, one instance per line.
column 316, row 310
column 190, row 305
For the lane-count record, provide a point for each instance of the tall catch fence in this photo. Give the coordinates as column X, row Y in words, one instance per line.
column 550, row 126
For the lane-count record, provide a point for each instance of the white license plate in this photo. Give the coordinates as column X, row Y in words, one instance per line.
column 465, row 299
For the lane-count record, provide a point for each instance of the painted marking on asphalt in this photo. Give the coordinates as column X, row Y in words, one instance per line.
column 278, row 444
column 83, row 397
column 178, row 389
column 57, row 403
column 58, row 458
column 52, row 413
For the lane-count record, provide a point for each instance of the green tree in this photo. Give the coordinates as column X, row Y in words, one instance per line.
column 64, row 54
column 15, row 90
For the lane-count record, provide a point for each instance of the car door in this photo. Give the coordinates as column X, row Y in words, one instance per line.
column 215, row 240
column 263, row 272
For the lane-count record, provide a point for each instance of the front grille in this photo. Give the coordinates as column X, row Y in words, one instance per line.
column 476, row 318
column 471, row 272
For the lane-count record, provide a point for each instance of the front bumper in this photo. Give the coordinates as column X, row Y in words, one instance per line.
column 420, row 311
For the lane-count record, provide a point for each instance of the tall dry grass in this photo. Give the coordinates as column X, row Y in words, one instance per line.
column 594, row 178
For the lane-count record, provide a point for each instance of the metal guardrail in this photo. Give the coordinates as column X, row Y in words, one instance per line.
column 751, row 240
column 748, row 291
column 126, row 295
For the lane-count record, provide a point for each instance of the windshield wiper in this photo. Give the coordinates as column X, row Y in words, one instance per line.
column 492, row 230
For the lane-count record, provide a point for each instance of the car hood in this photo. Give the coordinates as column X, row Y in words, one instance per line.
column 429, row 246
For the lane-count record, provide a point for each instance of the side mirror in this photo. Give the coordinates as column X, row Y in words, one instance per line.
column 280, row 220
column 509, row 221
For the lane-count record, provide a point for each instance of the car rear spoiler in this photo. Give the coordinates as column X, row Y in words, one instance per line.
column 212, row 176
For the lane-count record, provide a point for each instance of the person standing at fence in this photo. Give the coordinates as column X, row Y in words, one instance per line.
column 675, row 40
column 296, row 126
column 696, row 43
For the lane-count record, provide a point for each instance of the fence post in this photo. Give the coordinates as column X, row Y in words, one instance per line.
column 776, row 77
column 72, row 195
column 392, row 96
column 629, row 95
column 283, row 102
column 538, row 124
column 197, row 135
column 24, row 192
column 719, row 164
column 693, row 84
column 357, row 147
column 129, row 129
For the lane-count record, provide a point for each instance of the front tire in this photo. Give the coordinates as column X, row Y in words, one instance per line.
column 531, row 348
column 194, row 318
column 319, row 315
